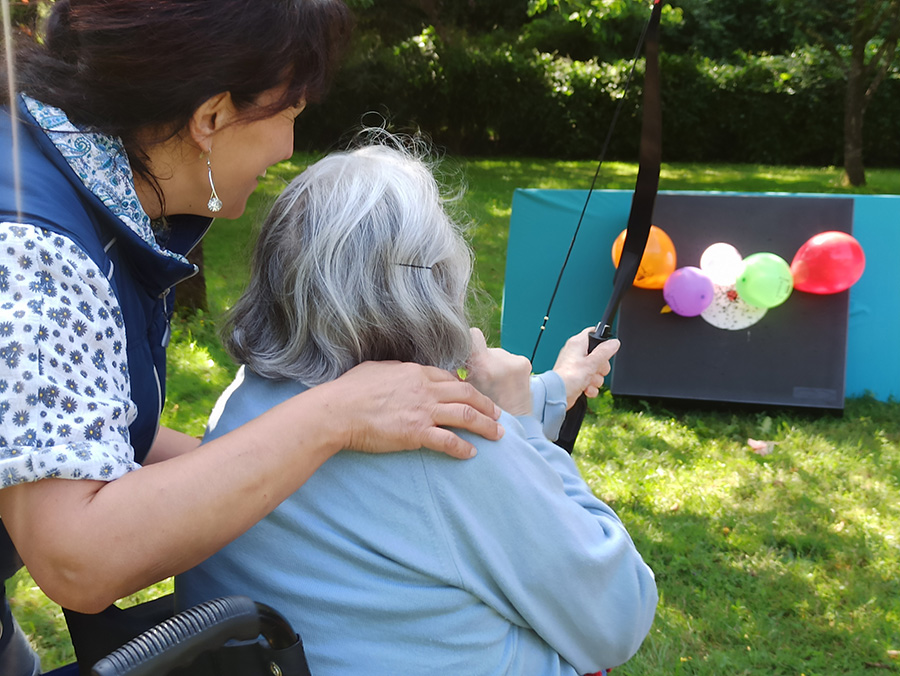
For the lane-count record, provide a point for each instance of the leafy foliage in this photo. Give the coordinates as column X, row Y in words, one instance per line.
column 743, row 81
column 719, row 30
column 481, row 96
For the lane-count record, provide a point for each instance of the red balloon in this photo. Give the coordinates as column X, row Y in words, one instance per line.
column 829, row 262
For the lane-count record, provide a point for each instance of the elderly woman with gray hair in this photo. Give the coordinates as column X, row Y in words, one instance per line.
column 413, row 563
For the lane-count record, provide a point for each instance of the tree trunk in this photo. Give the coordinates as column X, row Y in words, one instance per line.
column 190, row 295
column 854, row 113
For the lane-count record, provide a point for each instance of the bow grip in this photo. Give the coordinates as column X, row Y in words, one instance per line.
column 601, row 334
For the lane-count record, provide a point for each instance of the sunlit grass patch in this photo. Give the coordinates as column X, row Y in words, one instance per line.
column 199, row 370
column 784, row 563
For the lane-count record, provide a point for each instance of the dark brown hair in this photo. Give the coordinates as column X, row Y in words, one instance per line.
column 121, row 67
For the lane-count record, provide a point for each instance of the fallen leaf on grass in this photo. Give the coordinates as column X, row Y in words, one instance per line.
column 761, row 447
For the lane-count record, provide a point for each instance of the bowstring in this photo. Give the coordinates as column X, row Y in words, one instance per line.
column 603, row 149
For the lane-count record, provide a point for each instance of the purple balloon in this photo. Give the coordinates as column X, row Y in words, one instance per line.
column 688, row 291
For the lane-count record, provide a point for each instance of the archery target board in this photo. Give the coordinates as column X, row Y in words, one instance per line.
column 793, row 354
column 796, row 354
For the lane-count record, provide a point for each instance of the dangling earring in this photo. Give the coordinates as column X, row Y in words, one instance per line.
column 214, row 204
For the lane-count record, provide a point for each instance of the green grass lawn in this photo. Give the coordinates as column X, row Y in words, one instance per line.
column 785, row 563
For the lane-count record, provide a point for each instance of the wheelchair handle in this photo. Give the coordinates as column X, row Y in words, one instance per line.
column 177, row 641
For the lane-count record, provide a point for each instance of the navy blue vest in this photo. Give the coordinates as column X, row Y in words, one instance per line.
column 53, row 197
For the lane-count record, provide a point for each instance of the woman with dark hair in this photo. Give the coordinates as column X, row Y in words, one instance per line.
column 411, row 564
column 133, row 123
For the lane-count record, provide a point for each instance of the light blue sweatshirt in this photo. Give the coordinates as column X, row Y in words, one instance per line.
column 416, row 563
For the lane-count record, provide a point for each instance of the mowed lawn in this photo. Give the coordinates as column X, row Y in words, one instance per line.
column 785, row 563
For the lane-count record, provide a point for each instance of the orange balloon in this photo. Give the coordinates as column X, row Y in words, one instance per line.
column 657, row 263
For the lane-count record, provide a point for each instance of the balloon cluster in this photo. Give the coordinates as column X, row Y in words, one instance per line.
column 733, row 292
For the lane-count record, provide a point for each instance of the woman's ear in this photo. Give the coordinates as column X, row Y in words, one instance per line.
column 211, row 116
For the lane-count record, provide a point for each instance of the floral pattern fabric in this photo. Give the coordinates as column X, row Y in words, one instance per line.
column 65, row 402
column 65, row 395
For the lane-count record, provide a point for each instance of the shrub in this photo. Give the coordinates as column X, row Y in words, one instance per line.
column 486, row 96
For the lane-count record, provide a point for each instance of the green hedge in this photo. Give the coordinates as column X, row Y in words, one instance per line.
column 485, row 97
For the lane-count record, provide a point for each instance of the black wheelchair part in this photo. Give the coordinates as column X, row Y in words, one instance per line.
column 228, row 636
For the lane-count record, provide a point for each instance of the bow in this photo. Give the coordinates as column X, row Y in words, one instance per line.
column 640, row 217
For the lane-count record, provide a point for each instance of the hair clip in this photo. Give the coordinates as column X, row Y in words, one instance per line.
column 417, row 267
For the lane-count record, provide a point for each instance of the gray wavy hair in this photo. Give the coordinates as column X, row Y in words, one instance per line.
column 358, row 260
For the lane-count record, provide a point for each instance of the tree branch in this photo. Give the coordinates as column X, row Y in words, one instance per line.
column 880, row 64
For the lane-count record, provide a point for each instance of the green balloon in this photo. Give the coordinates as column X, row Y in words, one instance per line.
column 766, row 280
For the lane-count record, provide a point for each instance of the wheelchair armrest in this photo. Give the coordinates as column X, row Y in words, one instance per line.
column 179, row 640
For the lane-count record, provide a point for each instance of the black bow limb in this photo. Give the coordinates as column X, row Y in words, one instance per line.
column 640, row 218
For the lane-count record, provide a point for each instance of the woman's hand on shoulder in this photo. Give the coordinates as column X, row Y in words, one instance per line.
column 394, row 406
column 501, row 375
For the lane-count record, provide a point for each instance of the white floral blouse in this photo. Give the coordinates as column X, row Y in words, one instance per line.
column 65, row 397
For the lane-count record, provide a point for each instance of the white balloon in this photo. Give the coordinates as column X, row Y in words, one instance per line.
column 729, row 311
column 722, row 263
